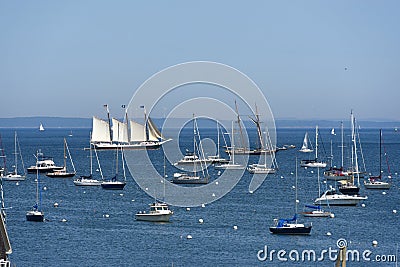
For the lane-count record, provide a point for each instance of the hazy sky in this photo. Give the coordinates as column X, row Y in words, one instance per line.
column 312, row 59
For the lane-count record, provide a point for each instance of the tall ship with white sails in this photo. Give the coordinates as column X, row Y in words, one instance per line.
column 113, row 134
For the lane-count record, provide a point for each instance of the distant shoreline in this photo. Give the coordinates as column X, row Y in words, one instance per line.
column 86, row 123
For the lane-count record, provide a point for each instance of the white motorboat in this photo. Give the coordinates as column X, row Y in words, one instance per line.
column 43, row 164
column 333, row 198
column 260, row 169
column 159, row 212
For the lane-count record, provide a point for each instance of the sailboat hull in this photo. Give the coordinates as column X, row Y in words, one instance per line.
column 140, row 145
column 301, row 230
column 13, row 177
column 113, row 185
column 35, row 216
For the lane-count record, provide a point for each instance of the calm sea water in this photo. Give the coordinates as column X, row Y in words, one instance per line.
column 90, row 238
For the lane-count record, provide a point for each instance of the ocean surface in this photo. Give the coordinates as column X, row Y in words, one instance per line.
column 101, row 230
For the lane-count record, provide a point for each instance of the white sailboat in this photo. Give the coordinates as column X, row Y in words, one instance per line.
column 88, row 180
column 15, row 176
column 185, row 178
column 231, row 165
column 63, row 173
column 263, row 168
column 304, row 147
column 375, row 182
column 217, row 158
column 41, row 128
column 122, row 135
column 314, row 163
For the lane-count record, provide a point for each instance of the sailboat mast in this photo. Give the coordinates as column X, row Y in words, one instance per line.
column 109, row 121
column 91, row 154
column 316, row 142
column 217, row 139
column 380, row 153
column 65, row 154
column 15, row 152
column 296, row 191
column 341, row 128
column 233, row 146
column 240, row 126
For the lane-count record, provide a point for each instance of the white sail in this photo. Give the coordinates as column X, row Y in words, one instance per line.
column 119, row 131
column 154, row 132
column 305, row 142
column 138, row 132
column 101, row 130
column 41, row 128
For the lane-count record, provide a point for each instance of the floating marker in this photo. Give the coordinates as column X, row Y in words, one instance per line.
column 332, row 215
column 251, row 192
column 44, row 188
column 235, row 227
column 63, row 220
column 216, row 182
column 213, row 195
column 312, row 171
column 383, row 193
column 188, row 209
column 201, row 220
column 203, row 205
column 106, row 215
column 328, row 233
column 121, row 194
column 281, row 177
column 55, row 204
column 374, row 243
column 16, row 183
column 291, row 173
column 189, row 237
column 394, row 211
column 133, row 200
column 363, row 205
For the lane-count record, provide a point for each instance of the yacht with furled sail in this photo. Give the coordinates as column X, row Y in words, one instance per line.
column 186, row 178
column 88, row 180
column 263, row 168
column 231, row 165
column 36, row 214
column 63, row 173
column 112, row 134
column 291, row 226
column 14, row 175
column 375, row 182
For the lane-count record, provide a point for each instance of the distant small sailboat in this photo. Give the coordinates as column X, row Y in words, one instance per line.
column 41, row 128
column 304, row 147
column 231, row 165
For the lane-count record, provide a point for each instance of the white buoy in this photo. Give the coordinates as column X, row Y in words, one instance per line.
column 394, row 211
column 312, row 171
column 133, row 200
column 251, row 192
column 189, row 237
column 363, row 205
column 201, row 220
column 216, row 182
column 121, row 195
column 281, row 177
column 332, row 215
column 291, row 173
column 219, row 172
column 389, row 176
column 374, row 243
column 63, row 220
column 235, row 227
column 55, row 204
column 106, row 215
column 188, row 209
column 147, row 188
column 297, row 201
column 203, row 205
column 84, row 192
column 383, row 193
column 16, row 183
column 328, row 233
column 213, row 195
column 324, row 182
column 293, row 187
column 44, row 188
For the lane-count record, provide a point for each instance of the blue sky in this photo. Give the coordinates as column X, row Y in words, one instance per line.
column 312, row 59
